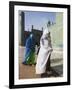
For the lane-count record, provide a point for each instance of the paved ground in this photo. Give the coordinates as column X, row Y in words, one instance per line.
column 27, row 71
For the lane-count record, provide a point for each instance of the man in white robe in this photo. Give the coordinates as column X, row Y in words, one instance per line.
column 44, row 52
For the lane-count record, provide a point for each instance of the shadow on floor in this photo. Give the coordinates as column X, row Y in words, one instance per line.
column 56, row 71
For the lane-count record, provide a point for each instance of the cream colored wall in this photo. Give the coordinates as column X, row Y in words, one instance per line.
column 57, row 31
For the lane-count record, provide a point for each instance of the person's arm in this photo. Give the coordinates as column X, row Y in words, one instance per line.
column 44, row 43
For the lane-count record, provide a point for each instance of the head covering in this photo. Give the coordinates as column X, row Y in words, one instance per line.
column 31, row 35
column 45, row 32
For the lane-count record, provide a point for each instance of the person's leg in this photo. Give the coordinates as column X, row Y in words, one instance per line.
column 48, row 69
column 48, row 65
column 26, row 56
column 44, row 75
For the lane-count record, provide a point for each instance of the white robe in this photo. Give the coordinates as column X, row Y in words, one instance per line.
column 44, row 52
